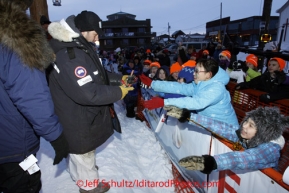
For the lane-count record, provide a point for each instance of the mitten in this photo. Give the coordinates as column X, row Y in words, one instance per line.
column 181, row 114
column 205, row 163
column 145, row 80
column 280, row 77
column 61, row 148
column 125, row 90
column 153, row 103
column 264, row 98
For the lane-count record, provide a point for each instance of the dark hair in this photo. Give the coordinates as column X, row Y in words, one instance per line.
column 210, row 65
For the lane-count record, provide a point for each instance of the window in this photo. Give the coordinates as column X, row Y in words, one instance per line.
column 141, row 29
column 125, row 41
column 124, row 30
column 108, row 42
column 141, row 41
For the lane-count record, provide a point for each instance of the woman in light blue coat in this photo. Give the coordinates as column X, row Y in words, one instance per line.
column 207, row 95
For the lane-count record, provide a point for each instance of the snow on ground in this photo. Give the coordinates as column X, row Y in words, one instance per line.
column 128, row 160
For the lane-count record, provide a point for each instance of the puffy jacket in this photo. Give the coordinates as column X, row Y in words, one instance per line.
column 82, row 91
column 27, row 110
column 209, row 98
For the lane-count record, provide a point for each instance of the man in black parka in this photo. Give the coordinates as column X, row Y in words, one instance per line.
column 83, row 93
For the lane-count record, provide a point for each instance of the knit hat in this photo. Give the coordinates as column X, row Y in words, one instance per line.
column 156, row 64
column 270, row 125
column 147, row 62
column 148, row 51
column 226, row 54
column 175, row 67
column 206, row 52
column 187, row 73
column 88, row 21
column 251, row 58
column 280, row 61
column 189, row 63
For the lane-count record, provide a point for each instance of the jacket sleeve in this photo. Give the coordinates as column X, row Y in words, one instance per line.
column 82, row 82
column 205, row 97
column 225, row 130
column 173, row 87
column 263, row 156
column 28, row 90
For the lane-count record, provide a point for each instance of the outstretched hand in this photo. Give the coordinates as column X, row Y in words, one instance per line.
column 154, row 103
column 182, row 115
column 146, row 81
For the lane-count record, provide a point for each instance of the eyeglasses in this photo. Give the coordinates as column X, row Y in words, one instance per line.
column 198, row 71
column 221, row 56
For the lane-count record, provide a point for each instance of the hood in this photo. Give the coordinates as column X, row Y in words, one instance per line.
column 270, row 125
column 221, row 76
column 65, row 30
column 24, row 36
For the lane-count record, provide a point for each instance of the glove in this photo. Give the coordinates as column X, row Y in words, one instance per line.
column 181, row 114
column 241, row 86
column 153, row 103
column 125, row 90
column 245, row 68
column 128, row 80
column 264, row 98
column 61, row 148
column 280, row 77
column 145, row 80
column 205, row 163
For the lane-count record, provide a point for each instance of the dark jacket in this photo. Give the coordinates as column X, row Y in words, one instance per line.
column 26, row 107
column 83, row 92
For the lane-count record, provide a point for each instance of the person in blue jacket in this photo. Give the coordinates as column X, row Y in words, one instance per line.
column 207, row 95
column 27, row 110
column 260, row 134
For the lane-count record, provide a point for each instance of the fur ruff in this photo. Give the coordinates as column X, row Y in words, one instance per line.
column 24, row 36
column 270, row 125
column 61, row 33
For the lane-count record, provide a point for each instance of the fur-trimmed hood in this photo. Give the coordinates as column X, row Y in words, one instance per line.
column 270, row 125
column 24, row 36
column 65, row 30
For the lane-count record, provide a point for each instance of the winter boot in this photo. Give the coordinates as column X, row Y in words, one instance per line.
column 130, row 112
column 101, row 188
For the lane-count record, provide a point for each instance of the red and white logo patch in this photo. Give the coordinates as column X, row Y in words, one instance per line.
column 80, row 72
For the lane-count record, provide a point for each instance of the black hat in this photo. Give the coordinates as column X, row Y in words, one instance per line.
column 88, row 21
column 44, row 20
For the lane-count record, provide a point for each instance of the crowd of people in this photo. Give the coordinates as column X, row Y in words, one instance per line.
column 55, row 84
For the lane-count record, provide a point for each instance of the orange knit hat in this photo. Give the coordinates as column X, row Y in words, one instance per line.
column 206, row 52
column 251, row 58
column 280, row 61
column 189, row 63
column 226, row 54
column 156, row 64
column 175, row 67
column 147, row 62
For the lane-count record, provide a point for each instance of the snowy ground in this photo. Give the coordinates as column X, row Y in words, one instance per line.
column 129, row 160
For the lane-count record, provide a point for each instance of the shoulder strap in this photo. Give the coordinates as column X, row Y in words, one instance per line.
column 70, row 52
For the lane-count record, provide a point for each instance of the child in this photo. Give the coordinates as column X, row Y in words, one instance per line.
column 207, row 95
column 260, row 134
column 270, row 82
column 174, row 71
column 225, row 57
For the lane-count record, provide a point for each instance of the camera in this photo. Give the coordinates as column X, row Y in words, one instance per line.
column 237, row 65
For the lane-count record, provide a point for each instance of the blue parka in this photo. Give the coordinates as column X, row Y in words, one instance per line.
column 209, row 98
column 26, row 107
